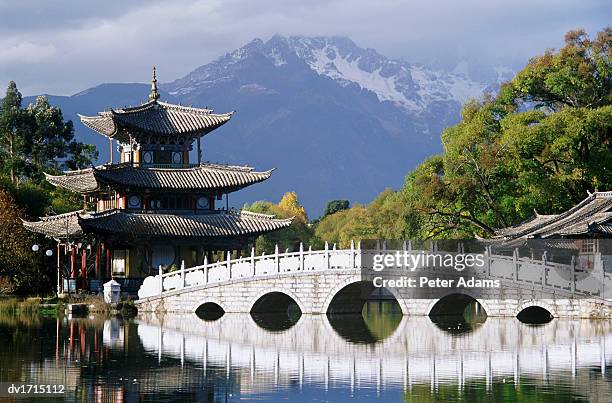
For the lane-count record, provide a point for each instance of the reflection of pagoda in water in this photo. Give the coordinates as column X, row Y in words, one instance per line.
column 154, row 207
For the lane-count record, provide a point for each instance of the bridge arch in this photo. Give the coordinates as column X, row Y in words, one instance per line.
column 434, row 302
column 209, row 300
column 209, row 311
column 275, row 290
column 352, row 280
column 535, row 312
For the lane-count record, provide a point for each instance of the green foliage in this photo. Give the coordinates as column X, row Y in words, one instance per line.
column 33, row 140
column 579, row 75
column 33, row 198
column 334, row 206
column 383, row 218
column 541, row 143
column 18, row 264
column 37, row 139
column 286, row 238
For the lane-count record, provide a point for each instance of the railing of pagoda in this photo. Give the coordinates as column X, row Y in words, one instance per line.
column 520, row 271
column 165, row 166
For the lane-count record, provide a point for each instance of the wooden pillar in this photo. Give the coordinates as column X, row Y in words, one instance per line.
column 97, row 264
column 199, row 152
column 84, row 267
column 107, row 271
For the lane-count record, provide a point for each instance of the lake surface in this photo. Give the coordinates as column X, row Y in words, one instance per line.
column 377, row 355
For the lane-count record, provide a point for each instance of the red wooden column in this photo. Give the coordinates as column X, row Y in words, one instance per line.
column 108, row 263
column 97, row 264
column 84, row 267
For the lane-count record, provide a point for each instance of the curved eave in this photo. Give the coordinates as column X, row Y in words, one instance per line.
column 202, row 178
column 76, row 181
column 212, row 226
column 61, row 226
column 103, row 124
column 186, row 126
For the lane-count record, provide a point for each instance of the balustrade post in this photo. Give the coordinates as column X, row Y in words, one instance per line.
column 489, row 259
column 352, row 258
column 229, row 264
column 182, row 274
column 544, row 269
column 276, row 259
column 301, row 256
column 573, row 279
column 326, row 256
column 253, row 260
column 206, row 269
column 161, row 280
column 515, row 264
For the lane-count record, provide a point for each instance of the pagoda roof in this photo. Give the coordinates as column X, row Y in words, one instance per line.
column 593, row 215
column 156, row 118
column 209, row 225
column 59, row 226
column 206, row 176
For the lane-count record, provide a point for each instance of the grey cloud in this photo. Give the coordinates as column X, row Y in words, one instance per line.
column 68, row 45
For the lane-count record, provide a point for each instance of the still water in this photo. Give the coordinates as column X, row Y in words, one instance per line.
column 377, row 355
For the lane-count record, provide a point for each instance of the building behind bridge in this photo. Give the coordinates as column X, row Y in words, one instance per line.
column 585, row 230
column 153, row 207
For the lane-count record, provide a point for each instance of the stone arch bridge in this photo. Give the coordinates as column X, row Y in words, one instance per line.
column 331, row 281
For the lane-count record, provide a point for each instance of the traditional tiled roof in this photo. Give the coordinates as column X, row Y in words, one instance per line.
column 57, row 226
column 155, row 117
column 593, row 215
column 202, row 177
column 210, row 225
column 81, row 181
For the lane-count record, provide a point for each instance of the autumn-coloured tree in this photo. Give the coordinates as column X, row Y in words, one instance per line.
column 18, row 265
column 286, row 238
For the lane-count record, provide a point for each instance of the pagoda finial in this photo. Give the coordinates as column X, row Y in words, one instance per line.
column 154, row 94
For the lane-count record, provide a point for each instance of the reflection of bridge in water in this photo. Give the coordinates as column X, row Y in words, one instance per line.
column 331, row 281
column 417, row 352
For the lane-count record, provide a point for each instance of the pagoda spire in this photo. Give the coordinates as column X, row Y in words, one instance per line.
column 154, row 94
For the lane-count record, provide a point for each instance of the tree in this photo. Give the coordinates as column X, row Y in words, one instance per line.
column 286, row 238
column 541, row 143
column 18, row 264
column 37, row 139
column 291, row 207
column 578, row 76
column 13, row 127
column 333, row 206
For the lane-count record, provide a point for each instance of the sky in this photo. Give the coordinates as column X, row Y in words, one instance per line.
column 65, row 46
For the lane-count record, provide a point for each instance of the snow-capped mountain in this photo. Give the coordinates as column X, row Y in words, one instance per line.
column 412, row 87
column 336, row 120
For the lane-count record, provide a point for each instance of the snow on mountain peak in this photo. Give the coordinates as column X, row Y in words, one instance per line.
column 412, row 87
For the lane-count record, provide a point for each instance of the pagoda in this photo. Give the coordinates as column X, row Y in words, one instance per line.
column 153, row 207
